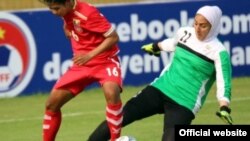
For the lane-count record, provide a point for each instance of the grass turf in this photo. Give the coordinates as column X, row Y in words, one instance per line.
column 21, row 117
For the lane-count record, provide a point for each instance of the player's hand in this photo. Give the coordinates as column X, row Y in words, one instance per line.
column 151, row 49
column 224, row 114
column 67, row 33
column 80, row 59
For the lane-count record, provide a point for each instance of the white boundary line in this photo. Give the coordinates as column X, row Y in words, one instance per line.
column 96, row 113
column 40, row 118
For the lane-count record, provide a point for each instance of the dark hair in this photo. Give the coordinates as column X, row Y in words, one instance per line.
column 53, row 1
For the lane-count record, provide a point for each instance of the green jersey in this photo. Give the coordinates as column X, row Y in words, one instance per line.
column 194, row 68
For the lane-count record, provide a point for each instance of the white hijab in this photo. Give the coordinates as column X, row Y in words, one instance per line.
column 213, row 15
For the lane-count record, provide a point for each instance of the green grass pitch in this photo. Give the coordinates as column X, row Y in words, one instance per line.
column 21, row 117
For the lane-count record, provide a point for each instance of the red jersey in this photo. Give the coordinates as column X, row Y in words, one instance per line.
column 88, row 28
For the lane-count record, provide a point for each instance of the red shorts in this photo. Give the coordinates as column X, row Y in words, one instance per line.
column 79, row 77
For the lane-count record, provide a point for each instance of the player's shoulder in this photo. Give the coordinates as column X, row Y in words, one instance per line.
column 85, row 8
column 217, row 45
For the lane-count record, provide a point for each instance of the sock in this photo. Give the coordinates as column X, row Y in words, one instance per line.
column 51, row 124
column 114, row 117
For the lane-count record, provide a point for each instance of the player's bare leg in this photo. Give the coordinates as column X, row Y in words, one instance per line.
column 52, row 117
column 114, row 112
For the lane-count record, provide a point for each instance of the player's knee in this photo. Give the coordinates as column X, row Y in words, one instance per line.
column 112, row 97
column 52, row 104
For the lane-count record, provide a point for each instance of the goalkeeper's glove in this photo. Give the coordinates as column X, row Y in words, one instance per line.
column 224, row 114
column 152, row 49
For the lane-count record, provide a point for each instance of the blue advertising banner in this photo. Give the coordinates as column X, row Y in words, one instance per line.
column 34, row 52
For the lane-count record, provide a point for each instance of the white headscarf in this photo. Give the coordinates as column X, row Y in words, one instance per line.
column 213, row 15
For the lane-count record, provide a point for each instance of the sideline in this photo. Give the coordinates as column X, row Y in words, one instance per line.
column 40, row 118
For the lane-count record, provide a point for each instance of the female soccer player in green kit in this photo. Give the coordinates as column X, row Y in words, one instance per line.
column 180, row 91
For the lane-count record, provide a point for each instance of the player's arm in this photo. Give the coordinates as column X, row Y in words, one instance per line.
column 108, row 43
column 223, row 80
column 98, row 24
column 110, row 40
column 167, row 45
column 66, row 31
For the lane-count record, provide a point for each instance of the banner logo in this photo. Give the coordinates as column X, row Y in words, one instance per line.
column 17, row 55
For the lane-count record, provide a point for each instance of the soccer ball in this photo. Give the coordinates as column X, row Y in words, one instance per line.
column 126, row 138
column 11, row 66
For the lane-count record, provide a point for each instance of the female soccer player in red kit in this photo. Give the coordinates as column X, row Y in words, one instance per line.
column 94, row 45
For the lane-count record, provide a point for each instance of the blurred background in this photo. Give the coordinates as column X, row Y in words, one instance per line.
column 43, row 41
column 29, row 4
